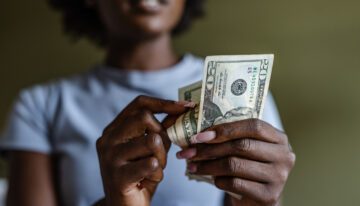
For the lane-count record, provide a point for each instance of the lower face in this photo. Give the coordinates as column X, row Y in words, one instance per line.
column 140, row 18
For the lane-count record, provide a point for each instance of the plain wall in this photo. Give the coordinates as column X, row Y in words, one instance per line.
column 315, row 77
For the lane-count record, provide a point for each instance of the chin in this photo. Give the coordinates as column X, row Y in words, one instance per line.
column 143, row 18
column 150, row 27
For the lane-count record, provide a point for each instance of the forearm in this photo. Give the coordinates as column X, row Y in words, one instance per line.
column 26, row 170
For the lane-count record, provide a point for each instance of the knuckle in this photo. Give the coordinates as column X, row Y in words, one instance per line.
column 283, row 175
column 152, row 163
column 140, row 98
column 272, row 200
column 146, row 117
column 161, row 176
column 165, row 102
column 223, row 130
column 233, row 164
column 154, row 141
column 255, row 126
column 242, row 145
column 269, row 197
column 236, row 184
column 291, row 159
column 115, row 163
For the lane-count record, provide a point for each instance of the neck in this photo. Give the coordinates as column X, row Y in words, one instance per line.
column 144, row 55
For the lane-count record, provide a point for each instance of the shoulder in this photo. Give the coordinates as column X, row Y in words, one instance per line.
column 52, row 87
column 30, row 121
column 44, row 97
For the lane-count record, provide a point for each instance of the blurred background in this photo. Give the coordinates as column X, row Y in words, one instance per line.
column 315, row 78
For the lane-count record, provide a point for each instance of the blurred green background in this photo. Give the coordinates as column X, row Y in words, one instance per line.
column 315, row 80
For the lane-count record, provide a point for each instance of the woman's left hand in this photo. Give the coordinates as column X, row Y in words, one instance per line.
column 250, row 158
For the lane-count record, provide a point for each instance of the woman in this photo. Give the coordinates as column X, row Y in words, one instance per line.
column 52, row 140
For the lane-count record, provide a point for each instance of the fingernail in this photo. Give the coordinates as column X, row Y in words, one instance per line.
column 186, row 153
column 203, row 137
column 192, row 168
column 186, row 103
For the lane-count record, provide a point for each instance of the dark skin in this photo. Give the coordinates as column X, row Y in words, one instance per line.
column 30, row 179
column 133, row 151
column 139, row 40
column 249, row 158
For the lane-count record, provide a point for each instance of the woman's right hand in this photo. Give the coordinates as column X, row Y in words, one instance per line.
column 132, row 151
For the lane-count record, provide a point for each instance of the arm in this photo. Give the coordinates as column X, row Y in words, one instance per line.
column 30, row 180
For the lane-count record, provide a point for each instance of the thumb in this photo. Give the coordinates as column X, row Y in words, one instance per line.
column 166, row 123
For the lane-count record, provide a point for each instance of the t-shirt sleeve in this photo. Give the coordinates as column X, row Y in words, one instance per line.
column 27, row 126
column 271, row 114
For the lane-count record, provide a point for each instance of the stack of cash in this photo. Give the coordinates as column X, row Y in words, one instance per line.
column 233, row 88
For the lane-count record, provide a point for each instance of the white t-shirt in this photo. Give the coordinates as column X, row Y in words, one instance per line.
column 66, row 117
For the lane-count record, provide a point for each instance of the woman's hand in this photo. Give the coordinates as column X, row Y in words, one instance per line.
column 250, row 158
column 132, row 151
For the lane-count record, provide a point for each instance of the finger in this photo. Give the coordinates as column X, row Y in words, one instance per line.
column 137, row 125
column 152, row 181
column 169, row 121
column 233, row 166
column 156, row 176
column 246, row 188
column 141, row 147
column 166, row 123
column 152, row 104
column 137, row 171
column 250, row 128
column 246, row 148
column 156, row 105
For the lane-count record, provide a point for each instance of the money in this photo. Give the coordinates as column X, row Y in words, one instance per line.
column 186, row 125
column 233, row 88
column 191, row 92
